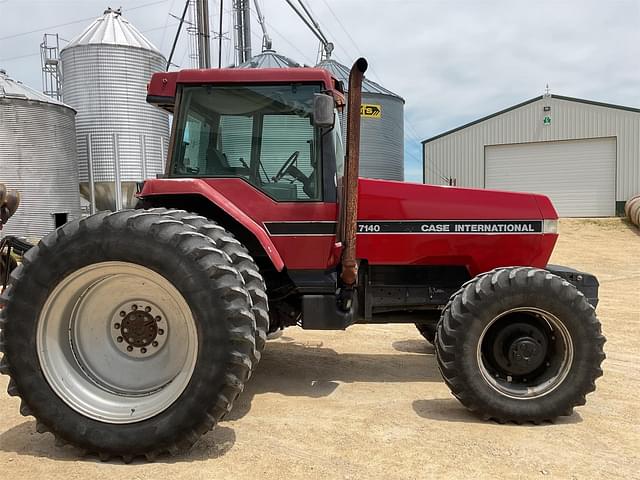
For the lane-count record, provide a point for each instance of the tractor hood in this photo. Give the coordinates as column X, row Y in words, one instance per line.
column 409, row 223
column 416, row 201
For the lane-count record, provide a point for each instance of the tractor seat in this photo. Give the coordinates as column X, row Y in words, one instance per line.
column 216, row 162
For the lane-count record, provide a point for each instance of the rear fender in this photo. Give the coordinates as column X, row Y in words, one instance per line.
column 178, row 193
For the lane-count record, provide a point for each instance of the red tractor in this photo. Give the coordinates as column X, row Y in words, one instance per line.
column 132, row 333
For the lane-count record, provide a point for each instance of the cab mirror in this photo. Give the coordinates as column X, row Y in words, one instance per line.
column 323, row 110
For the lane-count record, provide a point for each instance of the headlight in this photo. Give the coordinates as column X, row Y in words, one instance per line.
column 550, row 226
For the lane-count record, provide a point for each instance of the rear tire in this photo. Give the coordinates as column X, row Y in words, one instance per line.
column 242, row 261
column 153, row 253
column 520, row 345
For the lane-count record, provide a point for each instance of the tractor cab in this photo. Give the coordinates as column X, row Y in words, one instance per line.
column 262, row 130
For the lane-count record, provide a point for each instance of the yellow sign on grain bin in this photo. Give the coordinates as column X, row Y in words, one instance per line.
column 369, row 110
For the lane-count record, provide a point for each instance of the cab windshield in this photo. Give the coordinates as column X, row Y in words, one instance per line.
column 262, row 134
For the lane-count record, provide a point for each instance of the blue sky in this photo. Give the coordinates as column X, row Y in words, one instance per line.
column 453, row 61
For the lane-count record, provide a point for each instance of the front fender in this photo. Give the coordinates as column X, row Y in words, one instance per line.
column 201, row 188
column 585, row 282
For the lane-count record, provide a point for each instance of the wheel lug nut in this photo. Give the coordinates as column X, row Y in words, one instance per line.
column 119, row 339
column 125, row 330
column 122, row 314
column 116, row 326
column 129, row 348
column 158, row 318
column 143, row 350
column 147, row 309
column 155, row 344
column 134, row 307
column 160, row 331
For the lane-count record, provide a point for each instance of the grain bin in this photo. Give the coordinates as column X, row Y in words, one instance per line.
column 121, row 139
column 381, row 129
column 38, row 158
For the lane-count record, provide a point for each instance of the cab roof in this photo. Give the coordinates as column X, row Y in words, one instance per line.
column 161, row 90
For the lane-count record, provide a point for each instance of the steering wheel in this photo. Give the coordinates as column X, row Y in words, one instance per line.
column 283, row 170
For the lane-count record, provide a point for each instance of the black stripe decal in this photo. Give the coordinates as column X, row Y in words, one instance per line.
column 452, row 226
column 301, row 228
column 413, row 226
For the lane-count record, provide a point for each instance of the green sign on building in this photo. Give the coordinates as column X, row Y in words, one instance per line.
column 546, row 120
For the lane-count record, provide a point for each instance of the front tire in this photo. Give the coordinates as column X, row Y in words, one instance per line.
column 428, row 327
column 520, row 345
column 168, row 378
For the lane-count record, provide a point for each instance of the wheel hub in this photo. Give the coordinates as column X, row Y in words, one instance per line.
column 519, row 348
column 139, row 329
column 525, row 354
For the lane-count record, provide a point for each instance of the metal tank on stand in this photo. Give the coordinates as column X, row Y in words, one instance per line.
column 381, row 128
column 37, row 158
column 121, row 139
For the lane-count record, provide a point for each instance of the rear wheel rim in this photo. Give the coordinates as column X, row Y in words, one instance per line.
column 117, row 342
column 525, row 353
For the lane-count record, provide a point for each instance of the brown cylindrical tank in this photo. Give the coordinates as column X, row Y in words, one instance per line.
column 635, row 212
column 632, row 209
column 627, row 205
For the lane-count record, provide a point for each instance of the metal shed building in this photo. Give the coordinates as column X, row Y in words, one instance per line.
column 584, row 155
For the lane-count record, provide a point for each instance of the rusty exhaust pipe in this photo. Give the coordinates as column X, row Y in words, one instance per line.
column 349, row 273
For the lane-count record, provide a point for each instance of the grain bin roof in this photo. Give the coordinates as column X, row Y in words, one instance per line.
column 341, row 72
column 13, row 89
column 269, row 59
column 112, row 29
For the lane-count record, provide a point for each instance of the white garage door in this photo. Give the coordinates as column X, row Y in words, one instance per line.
column 578, row 175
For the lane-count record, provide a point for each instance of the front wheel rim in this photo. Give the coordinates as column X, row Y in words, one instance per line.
column 525, row 353
column 117, row 342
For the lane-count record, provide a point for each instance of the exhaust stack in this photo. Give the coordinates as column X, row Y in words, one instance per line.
column 349, row 273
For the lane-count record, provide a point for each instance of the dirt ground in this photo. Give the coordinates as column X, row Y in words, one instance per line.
column 369, row 403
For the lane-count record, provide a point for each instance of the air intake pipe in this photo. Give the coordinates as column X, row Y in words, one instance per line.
column 349, row 273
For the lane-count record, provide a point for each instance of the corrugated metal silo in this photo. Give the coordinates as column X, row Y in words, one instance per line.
column 382, row 137
column 38, row 158
column 121, row 139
